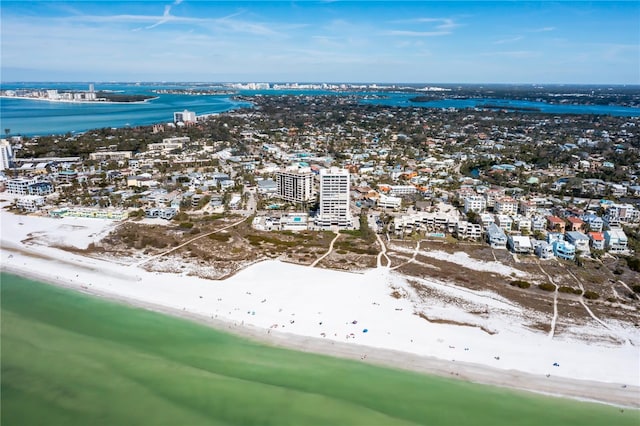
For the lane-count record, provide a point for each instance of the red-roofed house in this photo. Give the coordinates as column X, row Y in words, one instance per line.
column 555, row 224
column 597, row 240
column 575, row 224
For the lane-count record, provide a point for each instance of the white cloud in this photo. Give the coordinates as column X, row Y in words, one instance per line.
column 508, row 40
column 542, row 30
column 437, row 27
column 416, row 33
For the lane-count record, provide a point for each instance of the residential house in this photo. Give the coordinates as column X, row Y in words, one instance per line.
column 389, row 202
column 622, row 213
column 579, row 240
column 504, row 222
column 616, row 240
column 538, row 223
column 544, row 250
column 522, row 223
column 594, row 222
column 564, row 250
column 554, row 236
column 528, row 207
column 162, row 213
column 519, row 244
column 468, row 231
column 492, row 195
column 30, row 203
column 555, row 224
column 506, row 206
column 475, row 203
column 575, row 224
column 486, row 220
column 496, row 237
column 597, row 240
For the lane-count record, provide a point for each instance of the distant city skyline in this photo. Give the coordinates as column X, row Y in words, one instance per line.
column 327, row 41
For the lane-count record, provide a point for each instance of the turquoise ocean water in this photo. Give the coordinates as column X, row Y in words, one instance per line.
column 29, row 117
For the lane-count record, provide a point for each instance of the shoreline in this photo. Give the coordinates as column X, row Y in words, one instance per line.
column 315, row 310
column 69, row 101
column 581, row 390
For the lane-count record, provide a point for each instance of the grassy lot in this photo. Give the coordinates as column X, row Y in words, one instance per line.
column 69, row 359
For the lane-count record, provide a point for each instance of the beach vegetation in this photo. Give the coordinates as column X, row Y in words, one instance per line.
column 591, row 295
column 521, row 283
column 569, row 290
column 547, row 287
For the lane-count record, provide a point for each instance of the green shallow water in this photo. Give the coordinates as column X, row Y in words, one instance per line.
column 71, row 359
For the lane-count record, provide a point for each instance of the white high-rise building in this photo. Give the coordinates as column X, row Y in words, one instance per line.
column 295, row 185
column 6, row 154
column 184, row 117
column 334, row 198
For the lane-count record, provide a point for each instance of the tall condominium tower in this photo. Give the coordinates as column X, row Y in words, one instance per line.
column 334, row 198
column 295, row 185
column 184, row 117
column 6, row 154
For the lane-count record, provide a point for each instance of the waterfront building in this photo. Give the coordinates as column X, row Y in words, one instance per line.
column 19, row 186
column 30, row 203
column 496, row 237
column 40, row 188
column 184, row 117
column 519, row 244
column 295, row 185
column 543, row 249
column 334, row 198
column 564, row 250
column 88, row 212
column 597, row 240
column 6, row 155
column 616, row 240
column 468, row 230
column 579, row 240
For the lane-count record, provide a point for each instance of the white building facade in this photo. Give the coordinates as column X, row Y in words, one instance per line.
column 334, row 198
column 6, row 154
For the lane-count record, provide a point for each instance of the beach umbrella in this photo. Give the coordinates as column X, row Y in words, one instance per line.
column 365, row 330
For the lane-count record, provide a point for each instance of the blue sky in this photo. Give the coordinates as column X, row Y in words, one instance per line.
column 325, row 41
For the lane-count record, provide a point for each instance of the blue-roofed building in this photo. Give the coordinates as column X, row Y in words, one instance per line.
column 496, row 237
column 40, row 188
column 579, row 240
column 594, row 222
column 564, row 250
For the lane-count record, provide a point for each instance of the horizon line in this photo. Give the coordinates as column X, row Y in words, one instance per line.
column 314, row 82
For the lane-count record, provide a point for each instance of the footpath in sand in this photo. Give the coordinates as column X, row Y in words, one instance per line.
column 374, row 316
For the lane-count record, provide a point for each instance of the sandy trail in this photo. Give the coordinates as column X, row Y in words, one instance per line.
column 328, row 251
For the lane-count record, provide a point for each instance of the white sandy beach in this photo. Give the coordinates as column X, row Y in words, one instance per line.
column 346, row 314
